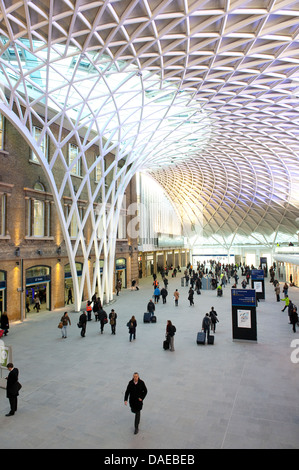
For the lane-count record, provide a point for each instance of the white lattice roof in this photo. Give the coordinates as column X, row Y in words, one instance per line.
column 203, row 94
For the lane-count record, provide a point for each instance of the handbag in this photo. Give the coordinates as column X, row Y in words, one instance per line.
column 19, row 386
column 60, row 324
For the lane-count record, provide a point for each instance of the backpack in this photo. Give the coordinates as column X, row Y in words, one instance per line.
column 172, row 330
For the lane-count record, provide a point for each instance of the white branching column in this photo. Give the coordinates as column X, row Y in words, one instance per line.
column 82, row 99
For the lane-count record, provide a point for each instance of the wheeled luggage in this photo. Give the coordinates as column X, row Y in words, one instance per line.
column 154, row 319
column 201, row 337
column 165, row 344
column 147, row 317
column 211, row 339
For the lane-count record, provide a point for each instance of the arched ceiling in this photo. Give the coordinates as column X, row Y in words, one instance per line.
column 224, row 77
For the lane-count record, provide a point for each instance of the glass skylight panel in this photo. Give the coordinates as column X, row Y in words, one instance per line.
column 224, row 123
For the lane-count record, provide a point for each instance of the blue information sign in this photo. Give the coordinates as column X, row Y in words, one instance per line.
column 243, row 297
column 257, row 274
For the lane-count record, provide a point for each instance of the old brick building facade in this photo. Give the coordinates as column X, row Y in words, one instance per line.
column 33, row 258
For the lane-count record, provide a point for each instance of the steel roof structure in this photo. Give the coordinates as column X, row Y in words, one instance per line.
column 202, row 94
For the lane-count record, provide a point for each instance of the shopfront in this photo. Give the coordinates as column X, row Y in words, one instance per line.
column 149, row 264
column 121, row 271
column 68, row 282
column 38, row 284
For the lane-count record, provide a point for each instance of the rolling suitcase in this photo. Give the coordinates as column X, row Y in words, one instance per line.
column 201, row 337
column 165, row 344
column 154, row 319
column 146, row 317
column 211, row 339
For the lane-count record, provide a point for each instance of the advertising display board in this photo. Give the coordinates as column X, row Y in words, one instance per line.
column 258, row 283
column 244, row 325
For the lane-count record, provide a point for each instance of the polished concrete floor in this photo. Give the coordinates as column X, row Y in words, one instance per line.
column 232, row 395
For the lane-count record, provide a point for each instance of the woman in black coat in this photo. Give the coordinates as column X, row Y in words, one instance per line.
column 132, row 324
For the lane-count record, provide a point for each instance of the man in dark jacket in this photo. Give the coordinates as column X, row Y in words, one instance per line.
column 164, row 294
column 151, row 307
column 103, row 319
column 12, row 388
column 206, row 323
column 82, row 323
column 136, row 392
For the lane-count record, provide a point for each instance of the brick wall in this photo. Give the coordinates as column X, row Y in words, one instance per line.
column 17, row 170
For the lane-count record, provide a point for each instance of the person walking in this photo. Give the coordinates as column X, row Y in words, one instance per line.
column 170, row 332
column 191, row 296
column 27, row 303
column 4, row 323
column 97, row 306
column 69, row 296
column 112, row 319
column 65, row 320
column 164, row 294
column 214, row 319
column 277, row 292
column 206, row 324
column 118, row 286
column 82, row 323
column 290, row 308
column 176, row 297
column 287, row 301
column 12, row 388
column 102, row 315
column 294, row 318
column 136, row 392
column 151, row 307
column 132, row 324
column 36, row 303
column 285, row 289
column 157, row 294
column 88, row 310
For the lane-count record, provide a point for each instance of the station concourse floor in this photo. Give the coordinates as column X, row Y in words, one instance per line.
column 230, row 395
